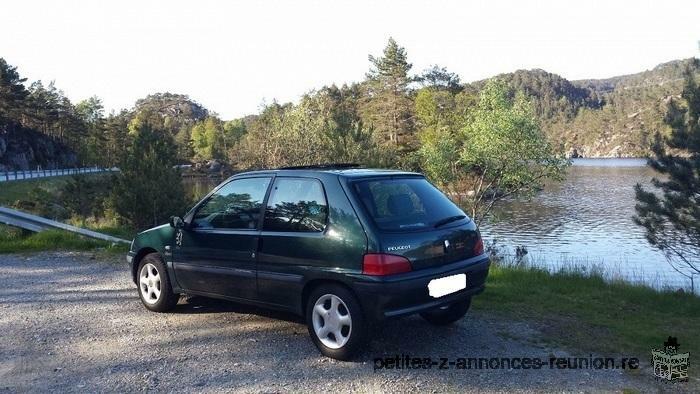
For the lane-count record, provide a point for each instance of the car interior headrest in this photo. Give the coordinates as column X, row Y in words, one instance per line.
column 400, row 204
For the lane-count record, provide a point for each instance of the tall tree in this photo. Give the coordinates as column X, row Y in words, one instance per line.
column 670, row 214
column 438, row 121
column 12, row 92
column 183, row 140
column 234, row 130
column 321, row 128
column 263, row 145
column 148, row 189
column 208, row 139
column 50, row 111
column 439, row 78
column 505, row 150
column 91, row 112
column 349, row 139
column 116, row 138
column 389, row 107
column 499, row 152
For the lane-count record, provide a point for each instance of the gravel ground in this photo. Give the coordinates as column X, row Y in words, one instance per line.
column 73, row 322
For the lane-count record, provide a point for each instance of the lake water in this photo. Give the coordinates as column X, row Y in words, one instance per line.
column 584, row 222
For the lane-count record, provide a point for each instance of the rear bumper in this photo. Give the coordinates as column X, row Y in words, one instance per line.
column 406, row 294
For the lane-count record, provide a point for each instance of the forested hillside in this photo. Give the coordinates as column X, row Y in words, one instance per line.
column 634, row 110
column 389, row 118
column 36, row 124
column 602, row 117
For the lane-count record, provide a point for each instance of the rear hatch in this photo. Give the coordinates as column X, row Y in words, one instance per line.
column 417, row 221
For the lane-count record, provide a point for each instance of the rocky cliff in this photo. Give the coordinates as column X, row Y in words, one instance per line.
column 25, row 149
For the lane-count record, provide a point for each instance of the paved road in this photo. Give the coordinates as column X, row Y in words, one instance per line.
column 70, row 322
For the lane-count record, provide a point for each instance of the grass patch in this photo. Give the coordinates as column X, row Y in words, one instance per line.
column 14, row 240
column 24, row 191
column 17, row 190
column 105, row 226
column 584, row 311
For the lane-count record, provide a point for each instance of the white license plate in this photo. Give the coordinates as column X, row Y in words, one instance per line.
column 449, row 284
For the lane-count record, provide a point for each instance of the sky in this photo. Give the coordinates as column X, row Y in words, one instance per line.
column 234, row 56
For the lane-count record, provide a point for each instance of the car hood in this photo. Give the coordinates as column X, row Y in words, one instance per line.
column 156, row 238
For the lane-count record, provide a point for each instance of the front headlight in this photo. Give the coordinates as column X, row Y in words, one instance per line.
column 129, row 257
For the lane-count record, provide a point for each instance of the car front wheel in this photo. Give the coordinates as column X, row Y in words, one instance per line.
column 335, row 320
column 154, row 286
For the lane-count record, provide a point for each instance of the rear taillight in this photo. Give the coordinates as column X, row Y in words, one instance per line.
column 380, row 264
column 479, row 247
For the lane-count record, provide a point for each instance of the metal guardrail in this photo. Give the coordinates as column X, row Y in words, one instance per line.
column 34, row 223
column 20, row 175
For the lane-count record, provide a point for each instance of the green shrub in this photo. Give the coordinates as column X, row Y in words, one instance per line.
column 86, row 196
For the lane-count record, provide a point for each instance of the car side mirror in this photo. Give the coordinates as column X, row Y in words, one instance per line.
column 177, row 222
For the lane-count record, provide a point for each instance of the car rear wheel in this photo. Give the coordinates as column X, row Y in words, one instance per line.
column 154, row 286
column 447, row 314
column 335, row 321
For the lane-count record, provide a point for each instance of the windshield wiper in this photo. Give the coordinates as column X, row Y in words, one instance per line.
column 448, row 219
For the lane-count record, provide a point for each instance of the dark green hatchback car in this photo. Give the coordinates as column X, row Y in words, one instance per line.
column 343, row 247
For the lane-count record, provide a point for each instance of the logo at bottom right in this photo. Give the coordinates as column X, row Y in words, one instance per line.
column 669, row 365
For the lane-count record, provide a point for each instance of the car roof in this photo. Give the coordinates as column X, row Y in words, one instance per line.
column 345, row 172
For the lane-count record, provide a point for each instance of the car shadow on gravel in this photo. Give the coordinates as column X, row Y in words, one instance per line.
column 395, row 336
column 202, row 305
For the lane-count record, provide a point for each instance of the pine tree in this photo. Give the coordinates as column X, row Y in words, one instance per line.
column 389, row 106
column 91, row 113
column 438, row 78
column 116, row 138
column 12, row 93
column 670, row 214
column 148, row 189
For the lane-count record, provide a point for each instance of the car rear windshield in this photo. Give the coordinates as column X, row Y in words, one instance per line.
column 406, row 204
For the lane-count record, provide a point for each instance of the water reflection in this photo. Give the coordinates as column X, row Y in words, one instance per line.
column 197, row 188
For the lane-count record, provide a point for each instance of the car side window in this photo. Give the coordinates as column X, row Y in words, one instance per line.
column 237, row 205
column 296, row 204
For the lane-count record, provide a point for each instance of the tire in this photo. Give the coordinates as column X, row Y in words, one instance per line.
column 153, row 283
column 449, row 314
column 336, row 307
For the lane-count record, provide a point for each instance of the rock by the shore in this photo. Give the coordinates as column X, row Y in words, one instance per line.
column 572, row 153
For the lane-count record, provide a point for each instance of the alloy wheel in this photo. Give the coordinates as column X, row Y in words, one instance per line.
column 331, row 320
column 149, row 283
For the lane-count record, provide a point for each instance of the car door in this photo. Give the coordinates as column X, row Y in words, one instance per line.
column 216, row 252
column 293, row 238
